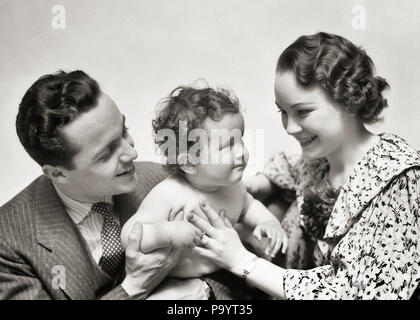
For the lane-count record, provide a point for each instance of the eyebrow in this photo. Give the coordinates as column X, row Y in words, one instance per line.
column 298, row 104
column 111, row 143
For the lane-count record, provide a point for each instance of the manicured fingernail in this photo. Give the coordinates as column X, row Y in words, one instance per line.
column 222, row 212
column 190, row 216
column 202, row 203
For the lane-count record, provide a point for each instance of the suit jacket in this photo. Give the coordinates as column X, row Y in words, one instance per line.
column 42, row 253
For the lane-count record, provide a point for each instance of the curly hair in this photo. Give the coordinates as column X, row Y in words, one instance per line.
column 53, row 101
column 342, row 69
column 191, row 106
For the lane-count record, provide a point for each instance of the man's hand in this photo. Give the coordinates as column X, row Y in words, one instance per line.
column 145, row 271
column 273, row 231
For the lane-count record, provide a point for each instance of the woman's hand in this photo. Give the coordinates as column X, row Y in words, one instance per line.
column 223, row 246
column 220, row 242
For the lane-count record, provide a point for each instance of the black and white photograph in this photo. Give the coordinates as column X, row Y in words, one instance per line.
column 193, row 150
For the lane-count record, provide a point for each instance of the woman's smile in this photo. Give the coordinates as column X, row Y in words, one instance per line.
column 304, row 142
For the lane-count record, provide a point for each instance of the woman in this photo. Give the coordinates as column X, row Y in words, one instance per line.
column 357, row 193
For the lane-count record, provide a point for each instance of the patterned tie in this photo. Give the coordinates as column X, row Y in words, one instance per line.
column 111, row 241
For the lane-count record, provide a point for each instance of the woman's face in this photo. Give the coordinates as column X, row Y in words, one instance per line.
column 318, row 123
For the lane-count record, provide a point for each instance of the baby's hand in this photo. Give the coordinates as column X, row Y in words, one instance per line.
column 251, row 184
column 183, row 234
column 273, row 231
column 258, row 185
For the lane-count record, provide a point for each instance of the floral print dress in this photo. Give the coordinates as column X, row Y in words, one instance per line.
column 360, row 241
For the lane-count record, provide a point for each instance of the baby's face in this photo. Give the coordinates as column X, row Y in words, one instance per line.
column 224, row 158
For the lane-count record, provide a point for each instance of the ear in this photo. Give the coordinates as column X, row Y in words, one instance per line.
column 187, row 166
column 55, row 174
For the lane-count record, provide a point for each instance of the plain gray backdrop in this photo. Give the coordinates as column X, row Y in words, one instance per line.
column 140, row 50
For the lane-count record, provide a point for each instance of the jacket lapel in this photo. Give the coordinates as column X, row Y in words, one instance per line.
column 56, row 232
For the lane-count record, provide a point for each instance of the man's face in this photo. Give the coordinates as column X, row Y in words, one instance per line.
column 104, row 164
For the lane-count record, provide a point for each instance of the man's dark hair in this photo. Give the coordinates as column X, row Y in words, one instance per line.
column 53, row 101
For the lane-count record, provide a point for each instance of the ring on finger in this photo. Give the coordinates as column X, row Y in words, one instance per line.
column 205, row 239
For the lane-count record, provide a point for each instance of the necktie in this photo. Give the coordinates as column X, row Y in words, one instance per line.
column 110, row 238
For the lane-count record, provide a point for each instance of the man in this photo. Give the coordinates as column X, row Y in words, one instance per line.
column 59, row 237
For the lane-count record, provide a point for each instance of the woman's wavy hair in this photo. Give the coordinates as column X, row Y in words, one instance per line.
column 192, row 106
column 342, row 69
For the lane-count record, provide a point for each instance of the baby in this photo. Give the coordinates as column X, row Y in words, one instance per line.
column 200, row 132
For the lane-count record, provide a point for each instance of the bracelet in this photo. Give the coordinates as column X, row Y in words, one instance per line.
column 249, row 266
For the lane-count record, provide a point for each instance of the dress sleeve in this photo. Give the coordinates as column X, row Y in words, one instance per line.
column 283, row 171
column 379, row 256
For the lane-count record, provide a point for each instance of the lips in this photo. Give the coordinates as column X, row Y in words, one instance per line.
column 240, row 166
column 127, row 171
column 306, row 141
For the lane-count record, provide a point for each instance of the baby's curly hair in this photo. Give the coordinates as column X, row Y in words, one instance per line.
column 342, row 69
column 194, row 106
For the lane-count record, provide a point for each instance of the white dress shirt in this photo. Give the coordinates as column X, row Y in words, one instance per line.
column 89, row 222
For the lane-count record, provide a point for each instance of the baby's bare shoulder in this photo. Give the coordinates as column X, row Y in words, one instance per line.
column 162, row 197
column 170, row 188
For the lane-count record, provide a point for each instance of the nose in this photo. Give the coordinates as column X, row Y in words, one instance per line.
column 128, row 153
column 292, row 127
column 241, row 154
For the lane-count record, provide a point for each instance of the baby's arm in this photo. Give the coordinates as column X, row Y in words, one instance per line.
column 258, row 218
column 153, row 213
column 258, row 185
column 155, row 235
column 257, row 213
column 158, row 232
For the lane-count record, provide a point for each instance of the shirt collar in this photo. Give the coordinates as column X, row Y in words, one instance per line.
column 77, row 210
column 384, row 161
